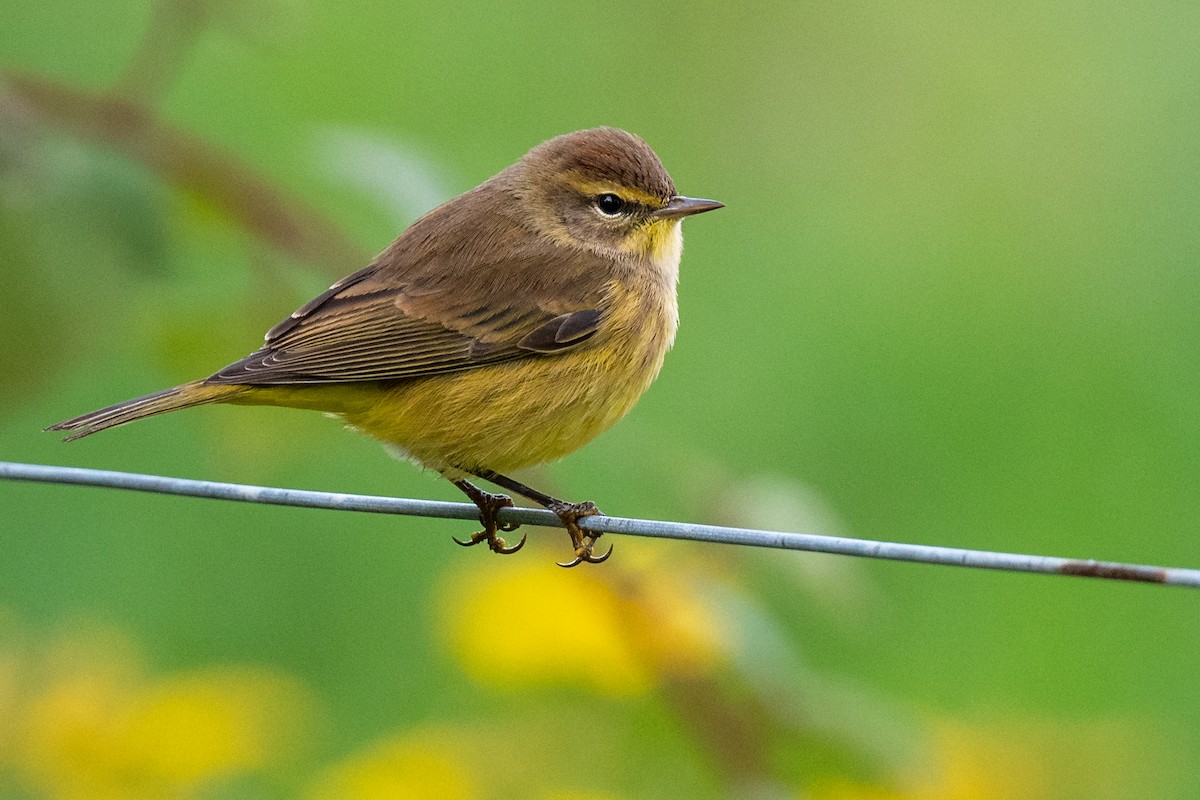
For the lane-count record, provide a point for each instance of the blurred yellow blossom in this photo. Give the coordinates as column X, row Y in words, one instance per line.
column 846, row 790
column 1025, row 760
column 535, row 622
column 216, row 721
column 469, row 762
column 410, row 766
column 615, row 631
column 1053, row 759
column 92, row 724
column 673, row 624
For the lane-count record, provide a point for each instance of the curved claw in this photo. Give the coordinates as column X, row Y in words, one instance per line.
column 495, row 543
column 501, row 547
column 586, row 556
column 591, row 559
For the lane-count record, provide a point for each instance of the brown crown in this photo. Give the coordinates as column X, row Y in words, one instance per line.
column 608, row 155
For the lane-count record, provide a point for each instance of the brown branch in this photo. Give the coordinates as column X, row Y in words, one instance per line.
column 234, row 188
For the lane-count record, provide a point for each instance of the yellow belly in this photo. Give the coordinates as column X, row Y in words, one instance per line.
column 505, row 417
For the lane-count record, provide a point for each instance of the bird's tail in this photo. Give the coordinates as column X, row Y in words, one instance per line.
column 196, row 393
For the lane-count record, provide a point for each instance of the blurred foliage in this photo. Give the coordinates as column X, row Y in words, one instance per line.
column 952, row 300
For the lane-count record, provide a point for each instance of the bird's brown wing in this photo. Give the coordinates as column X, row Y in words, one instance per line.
column 397, row 320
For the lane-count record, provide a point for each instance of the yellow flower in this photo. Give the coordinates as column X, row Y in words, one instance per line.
column 615, row 630
column 463, row 762
column 223, row 720
column 96, row 727
column 845, row 790
column 535, row 622
column 1027, row 760
column 404, row 767
column 672, row 623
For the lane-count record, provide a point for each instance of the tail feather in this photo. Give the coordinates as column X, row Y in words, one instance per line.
column 196, row 393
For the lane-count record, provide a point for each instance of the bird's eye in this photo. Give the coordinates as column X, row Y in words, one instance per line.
column 609, row 204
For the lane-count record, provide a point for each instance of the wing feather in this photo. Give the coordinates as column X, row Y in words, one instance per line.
column 435, row 303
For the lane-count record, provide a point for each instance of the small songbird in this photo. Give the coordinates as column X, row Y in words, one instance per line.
column 505, row 328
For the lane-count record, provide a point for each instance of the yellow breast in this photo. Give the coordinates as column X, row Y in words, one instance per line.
column 517, row 414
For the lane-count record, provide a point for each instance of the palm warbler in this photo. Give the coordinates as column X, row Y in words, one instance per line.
column 505, row 328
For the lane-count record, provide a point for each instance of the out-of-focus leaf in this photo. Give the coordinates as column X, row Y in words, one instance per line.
column 109, row 202
column 28, row 306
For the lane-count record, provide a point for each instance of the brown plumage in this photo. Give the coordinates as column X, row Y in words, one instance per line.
column 504, row 328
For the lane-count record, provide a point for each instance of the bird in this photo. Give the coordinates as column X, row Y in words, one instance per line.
column 503, row 329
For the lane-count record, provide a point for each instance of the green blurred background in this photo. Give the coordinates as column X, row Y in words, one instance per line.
column 952, row 300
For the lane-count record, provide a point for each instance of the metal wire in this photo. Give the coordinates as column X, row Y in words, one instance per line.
column 865, row 548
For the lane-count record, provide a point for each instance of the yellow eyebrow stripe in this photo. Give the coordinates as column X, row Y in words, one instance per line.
column 628, row 193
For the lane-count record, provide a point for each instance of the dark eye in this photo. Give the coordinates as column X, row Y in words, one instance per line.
column 609, row 204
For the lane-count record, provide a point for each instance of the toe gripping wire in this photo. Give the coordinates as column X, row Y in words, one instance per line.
column 582, row 542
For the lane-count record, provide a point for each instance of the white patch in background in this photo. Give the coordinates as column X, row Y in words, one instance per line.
column 838, row 585
column 404, row 181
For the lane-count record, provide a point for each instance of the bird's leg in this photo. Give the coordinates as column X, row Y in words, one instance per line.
column 569, row 513
column 489, row 506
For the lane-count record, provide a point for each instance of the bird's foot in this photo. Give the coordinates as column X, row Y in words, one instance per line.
column 583, row 542
column 489, row 506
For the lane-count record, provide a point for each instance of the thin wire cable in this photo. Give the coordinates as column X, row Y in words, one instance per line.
column 864, row 548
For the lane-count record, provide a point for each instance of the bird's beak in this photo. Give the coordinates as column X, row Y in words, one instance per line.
column 679, row 207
